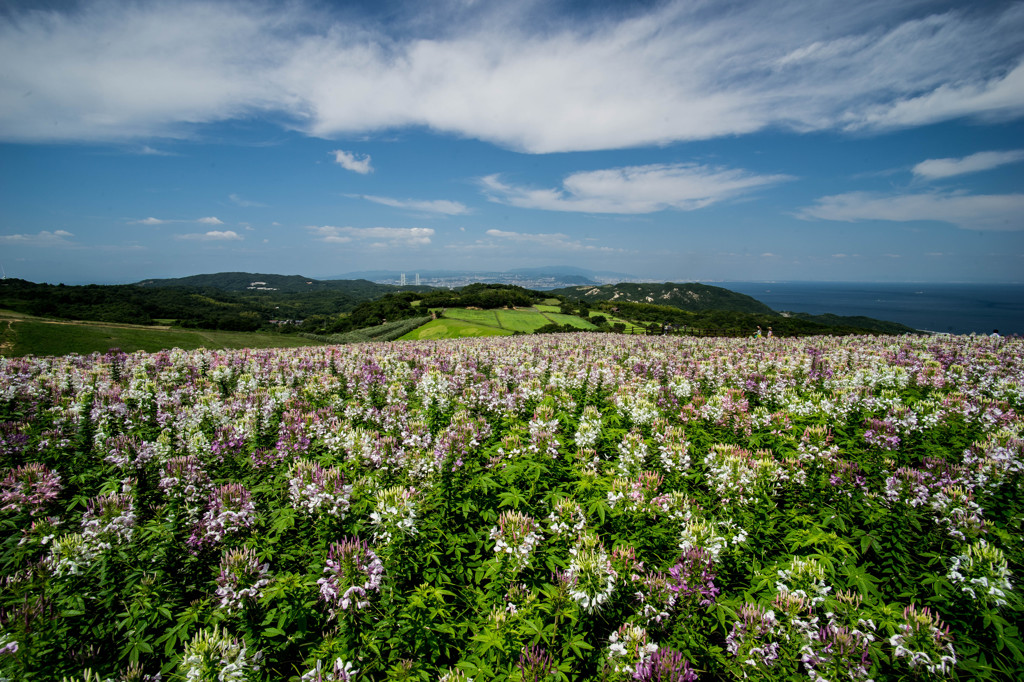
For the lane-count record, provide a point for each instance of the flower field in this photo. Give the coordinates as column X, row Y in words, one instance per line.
column 566, row 507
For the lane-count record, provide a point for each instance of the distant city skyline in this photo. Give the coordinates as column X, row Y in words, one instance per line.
column 675, row 140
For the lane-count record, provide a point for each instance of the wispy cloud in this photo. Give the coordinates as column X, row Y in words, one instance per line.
column 635, row 189
column 349, row 161
column 245, row 203
column 554, row 241
column 441, row 206
column 146, row 150
column 390, row 236
column 43, row 238
column 933, row 169
column 212, row 236
column 996, row 212
column 210, row 220
column 679, row 70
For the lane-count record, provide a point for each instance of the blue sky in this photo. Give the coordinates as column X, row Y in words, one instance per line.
column 693, row 140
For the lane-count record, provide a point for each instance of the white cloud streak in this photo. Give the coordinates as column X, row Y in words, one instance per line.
column 350, row 161
column 210, row 220
column 440, row 206
column 554, row 241
column 212, row 236
column 634, row 189
column 379, row 236
column 41, row 239
column 992, row 212
column 935, row 169
column 245, row 203
column 683, row 70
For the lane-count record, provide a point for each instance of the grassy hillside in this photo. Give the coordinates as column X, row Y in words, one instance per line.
column 447, row 328
column 22, row 335
column 360, row 289
column 690, row 296
column 462, row 322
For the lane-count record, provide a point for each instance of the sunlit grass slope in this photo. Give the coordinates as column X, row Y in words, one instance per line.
column 23, row 335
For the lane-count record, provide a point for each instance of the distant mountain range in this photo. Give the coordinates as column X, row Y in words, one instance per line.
column 539, row 278
column 288, row 284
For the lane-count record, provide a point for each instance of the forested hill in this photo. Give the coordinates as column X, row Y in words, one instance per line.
column 359, row 289
column 691, row 296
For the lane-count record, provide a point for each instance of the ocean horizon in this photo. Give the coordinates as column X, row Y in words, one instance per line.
column 935, row 307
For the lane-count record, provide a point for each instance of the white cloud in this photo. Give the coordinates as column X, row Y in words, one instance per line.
column 212, row 236
column 146, row 150
column 393, row 236
column 441, row 206
column 680, row 70
column 159, row 221
column 933, row 169
column 43, row 238
column 245, row 203
column 350, row 161
column 634, row 189
column 996, row 212
column 554, row 241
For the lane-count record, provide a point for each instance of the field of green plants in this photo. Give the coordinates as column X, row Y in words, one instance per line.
column 565, row 507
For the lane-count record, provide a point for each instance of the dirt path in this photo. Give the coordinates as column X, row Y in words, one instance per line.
column 7, row 339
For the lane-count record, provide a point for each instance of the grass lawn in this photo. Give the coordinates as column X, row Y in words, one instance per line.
column 572, row 320
column 34, row 336
column 447, row 328
column 547, row 308
column 485, row 317
column 522, row 320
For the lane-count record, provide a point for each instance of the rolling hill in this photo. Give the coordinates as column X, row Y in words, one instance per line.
column 689, row 296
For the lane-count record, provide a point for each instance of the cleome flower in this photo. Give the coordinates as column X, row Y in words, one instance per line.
column 351, row 573
column 241, row 577
column 982, row 573
column 629, row 650
column 315, row 489
column 394, row 513
column 215, row 655
column 515, row 537
column 29, row 489
column 229, row 511
column 590, row 578
column 924, row 641
column 340, row 671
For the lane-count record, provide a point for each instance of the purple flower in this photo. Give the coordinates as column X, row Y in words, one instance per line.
column 665, row 665
column 351, row 573
column 29, row 488
column 535, row 664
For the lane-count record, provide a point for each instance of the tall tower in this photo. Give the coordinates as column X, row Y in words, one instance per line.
column 417, row 279
column 401, row 282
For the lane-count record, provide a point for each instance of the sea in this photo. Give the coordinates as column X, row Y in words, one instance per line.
column 943, row 308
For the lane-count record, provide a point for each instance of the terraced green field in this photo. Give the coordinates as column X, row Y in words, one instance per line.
column 571, row 320
column 447, row 328
column 522, row 320
column 485, row 317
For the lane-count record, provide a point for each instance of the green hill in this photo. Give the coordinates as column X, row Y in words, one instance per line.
column 358, row 289
column 689, row 296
